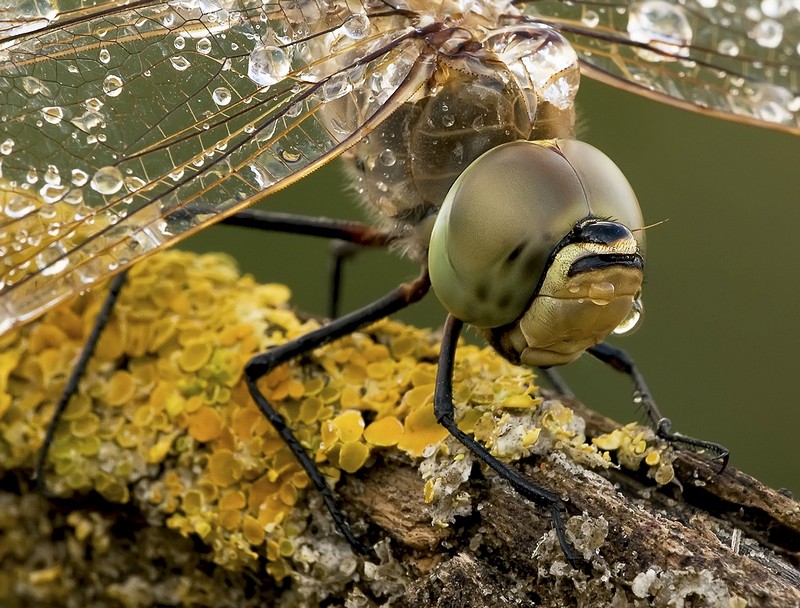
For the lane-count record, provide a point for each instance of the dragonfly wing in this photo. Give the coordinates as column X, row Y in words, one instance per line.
column 735, row 60
column 127, row 128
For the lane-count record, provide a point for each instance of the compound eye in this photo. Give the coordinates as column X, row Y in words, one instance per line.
column 503, row 218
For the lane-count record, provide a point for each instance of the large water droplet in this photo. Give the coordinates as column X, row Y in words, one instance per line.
column 356, row 26
column 268, row 65
column 388, row 158
column 631, row 322
column 661, row 25
column 107, row 180
column 768, row 33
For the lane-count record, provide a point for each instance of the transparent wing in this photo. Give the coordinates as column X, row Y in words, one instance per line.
column 733, row 59
column 125, row 128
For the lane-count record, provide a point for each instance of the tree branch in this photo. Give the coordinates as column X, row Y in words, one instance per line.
column 169, row 499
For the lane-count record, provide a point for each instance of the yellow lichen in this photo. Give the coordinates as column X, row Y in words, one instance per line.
column 421, row 430
column 163, row 407
column 352, row 456
column 384, row 432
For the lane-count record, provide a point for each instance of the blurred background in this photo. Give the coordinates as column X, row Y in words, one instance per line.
column 719, row 341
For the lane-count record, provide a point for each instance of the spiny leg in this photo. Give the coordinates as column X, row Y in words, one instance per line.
column 399, row 298
column 621, row 361
column 77, row 373
column 445, row 414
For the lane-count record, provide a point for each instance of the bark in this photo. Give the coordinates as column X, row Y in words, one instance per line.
column 708, row 539
column 185, row 488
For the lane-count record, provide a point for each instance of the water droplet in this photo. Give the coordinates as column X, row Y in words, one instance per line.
column 631, row 321
column 79, row 177
column 356, row 26
column 107, row 180
column 768, row 33
column 729, row 47
column 268, row 65
column 104, row 56
column 204, row 46
column 221, row 96
column 663, row 26
column 448, row 120
column 52, row 193
column 294, row 110
column 50, row 261
column 7, row 147
column 289, row 156
column 18, row 206
column 388, row 158
column 335, row 87
column 776, row 8
column 179, row 43
column 53, row 114
column 52, row 175
column 601, row 293
column 112, row 85
column 590, row 18
column 180, row 63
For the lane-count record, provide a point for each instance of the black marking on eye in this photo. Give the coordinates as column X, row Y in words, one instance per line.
column 515, row 253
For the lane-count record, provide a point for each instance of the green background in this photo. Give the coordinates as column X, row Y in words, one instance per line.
column 719, row 341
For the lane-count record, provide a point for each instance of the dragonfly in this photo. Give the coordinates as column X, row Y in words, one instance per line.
column 128, row 126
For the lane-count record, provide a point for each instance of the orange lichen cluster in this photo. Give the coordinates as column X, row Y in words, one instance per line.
column 163, row 419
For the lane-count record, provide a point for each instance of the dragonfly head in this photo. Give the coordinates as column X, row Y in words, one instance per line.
column 540, row 245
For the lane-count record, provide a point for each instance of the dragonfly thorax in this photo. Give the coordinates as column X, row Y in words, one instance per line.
column 404, row 169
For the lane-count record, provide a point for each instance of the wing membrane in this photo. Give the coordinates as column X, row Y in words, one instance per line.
column 127, row 128
column 737, row 60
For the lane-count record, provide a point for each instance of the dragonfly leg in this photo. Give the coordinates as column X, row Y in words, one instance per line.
column 340, row 251
column 77, row 373
column 399, row 298
column 343, row 230
column 445, row 414
column 347, row 239
column 621, row 361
